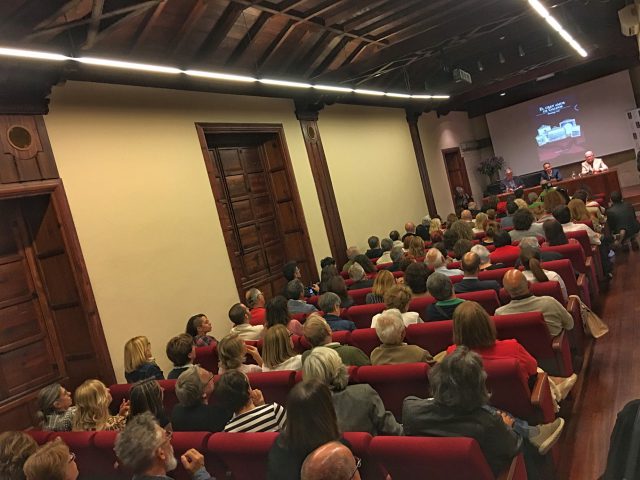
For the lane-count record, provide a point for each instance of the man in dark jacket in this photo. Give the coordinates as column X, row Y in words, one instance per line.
column 623, row 222
column 470, row 283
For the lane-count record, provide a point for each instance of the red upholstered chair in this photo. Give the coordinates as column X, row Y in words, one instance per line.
column 420, row 305
column 497, row 274
column 183, row 441
column 579, row 286
column 361, row 315
column 299, row 316
column 370, row 468
column 80, row 443
column 313, row 300
column 343, row 337
column 539, row 289
column 438, row 458
column 360, row 295
column 432, row 336
column 396, row 382
column 366, row 339
column 479, row 235
column 456, row 278
column 348, row 282
column 488, row 299
column 508, row 258
column 511, row 393
column 119, row 392
column 40, row 436
column 552, row 354
column 345, row 275
column 398, row 274
column 491, row 247
column 275, row 386
column 207, row 357
column 244, row 454
column 454, row 265
column 581, row 264
column 590, row 251
column 588, row 223
column 104, row 461
column 169, row 399
column 382, row 266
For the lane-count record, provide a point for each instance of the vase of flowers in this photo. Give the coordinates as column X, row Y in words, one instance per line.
column 491, row 167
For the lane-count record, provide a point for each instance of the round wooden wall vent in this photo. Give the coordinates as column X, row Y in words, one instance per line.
column 19, row 137
column 311, row 132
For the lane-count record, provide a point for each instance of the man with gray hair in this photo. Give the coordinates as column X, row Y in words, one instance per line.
column 329, row 303
column 396, row 255
column 391, row 330
column 145, row 448
column 255, row 301
column 387, row 245
column 441, row 288
column 435, row 261
column 359, row 277
column 485, row 258
column 193, row 412
column 352, row 253
column 318, row 333
column 331, row 461
column 531, row 245
column 296, row 301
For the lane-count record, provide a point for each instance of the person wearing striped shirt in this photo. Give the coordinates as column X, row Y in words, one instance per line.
column 250, row 412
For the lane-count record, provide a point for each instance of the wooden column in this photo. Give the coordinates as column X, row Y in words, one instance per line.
column 412, row 120
column 307, row 114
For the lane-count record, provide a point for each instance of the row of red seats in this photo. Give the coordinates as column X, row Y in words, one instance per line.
column 244, row 455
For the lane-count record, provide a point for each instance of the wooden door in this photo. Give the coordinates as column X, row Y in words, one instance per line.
column 456, row 171
column 259, row 210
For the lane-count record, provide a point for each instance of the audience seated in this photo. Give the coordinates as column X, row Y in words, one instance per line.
column 416, row 247
column 405, row 261
column 337, row 286
column 279, row 313
column 181, row 351
column 502, row 242
column 485, row 258
column 490, row 233
column 480, row 224
column 198, row 326
column 449, row 238
column 383, row 282
column 145, row 449
column 331, row 461
column 232, row 352
column 409, row 230
column 146, row 396
column 451, row 219
column 398, row 297
column 250, row 412
column 459, row 407
column 52, row 461
column 55, row 410
column 562, row 214
column 138, row 361
column 352, row 253
column 396, row 255
column 578, row 211
column 522, row 300
column 466, row 216
column 311, row 422
column 358, row 277
column 277, row 351
column 240, row 317
column 435, row 226
column 290, row 271
column 391, row 330
column 92, row 401
column 551, row 199
column 596, row 212
column 193, row 413
column 533, row 272
column 326, row 261
column 15, row 448
column 366, row 263
column 415, row 277
column 296, row 302
column 622, row 221
column 256, row 303
column 524, row 226
column 330, row 304
column 461, row 247
column 318, row 333
column 394, row 235
column 436, row 261
column 385, row 255
column 554, row 233
column 326, row 274
column 462, row 229
column 470, row 283
column 358, row 407
column 507, row 221
column 422, row 231
column 374, row 248
column 491, row 214
column 531, row 244
column 441, row 288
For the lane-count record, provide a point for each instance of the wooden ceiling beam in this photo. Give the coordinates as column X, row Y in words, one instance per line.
column 67, row 7
column 94, row 26
column 219, row 32
column 181, row 39
column 322, row 9
column 276, row 43
column 125, row 21
column 353, row 9
column 147, row 26
column 319, row 49
column 249, row 38
column 328, row 60
column 380, row 14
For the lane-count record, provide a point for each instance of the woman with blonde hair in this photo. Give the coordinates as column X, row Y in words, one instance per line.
column 15, row 448
column 435, row 226
column 579, row 212
column 232, row 352
column 138, row 361
column 277, row 351
column 480, row 223
column 92, row 400
column 52, row 461
column 416, row 247
column 398, row 297
column 384, row 281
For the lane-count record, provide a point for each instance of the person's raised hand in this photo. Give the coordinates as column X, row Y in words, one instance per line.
column 125, row 407
column 192, row 461
column 256, row 397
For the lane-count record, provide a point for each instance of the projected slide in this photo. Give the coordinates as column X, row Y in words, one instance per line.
column 557, row 128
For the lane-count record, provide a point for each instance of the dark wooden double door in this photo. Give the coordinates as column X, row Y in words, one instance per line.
column 259, row 209
column 44, row 332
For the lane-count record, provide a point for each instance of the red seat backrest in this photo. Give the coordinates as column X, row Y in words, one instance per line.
column 169, row 400
column 275, row 386
column 539, row 289
column 432, row 336
column 105, row 459
column 40, row 436
column 394, row 383
column 435, row 458
column 488, row 299
column 572, row 252
column 80, row 443
column 183, row 441
column 207, row 357
column 588, row 223
column 420, row 305
column 361, row 315
column 564, row 268
column 119, row 392
column 366, row 339
column 398, row 274
column 582, row 237
column 343, row 337
column 244, row 454
column 497, row 274
column 313, row 300
column 360, row 295
column 453, row 265
column 371, row 468
column 382, row 266
column 479, row 235
column 508, row 258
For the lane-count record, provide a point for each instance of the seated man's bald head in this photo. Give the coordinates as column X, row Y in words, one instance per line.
column 515, row 283
column 331, row 461
column 410, row 227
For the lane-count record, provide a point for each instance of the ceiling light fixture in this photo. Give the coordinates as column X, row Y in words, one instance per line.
column 501, row 58
column 502, row 94
column 398, row 95
column 480, row 66
column 105, row 62
column 521, row 51
column 20, row 53
column 440, row 97
column 553, row 23
column 284, row 83
column 368, row 92
column 331, row 88
column 220, row 76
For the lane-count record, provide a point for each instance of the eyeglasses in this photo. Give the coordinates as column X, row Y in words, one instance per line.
column 72, row 457
column 358, row 465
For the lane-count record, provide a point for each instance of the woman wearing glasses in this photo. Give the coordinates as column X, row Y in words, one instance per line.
column 52, row 461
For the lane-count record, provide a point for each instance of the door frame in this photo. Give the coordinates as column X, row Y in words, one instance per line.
column 277, row 129
column 55, row 188
column 467, row 185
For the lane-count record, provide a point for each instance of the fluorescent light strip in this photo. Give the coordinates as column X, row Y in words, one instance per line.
column 553, row 23
column 105, row 62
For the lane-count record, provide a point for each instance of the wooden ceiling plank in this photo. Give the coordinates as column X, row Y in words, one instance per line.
column 147, row 26
column 353, row 9
column 182, row 37
column 67, row 7
column 94, row 26
column 219, row 32
column 322, row 8
column 379, row 15
column 283, row 66
column 319, row 49
column 249, row 39
column 123, row 22
column 290, row 5
column 276, row 43
column 331, row 56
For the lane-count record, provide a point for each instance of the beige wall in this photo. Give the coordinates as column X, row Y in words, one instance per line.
column 373, row 170
column 142, row 204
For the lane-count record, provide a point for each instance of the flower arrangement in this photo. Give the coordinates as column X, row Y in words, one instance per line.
column 491, row 166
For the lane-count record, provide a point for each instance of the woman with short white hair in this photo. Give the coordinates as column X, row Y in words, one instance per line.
column 391, row 331
column 358, row 407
